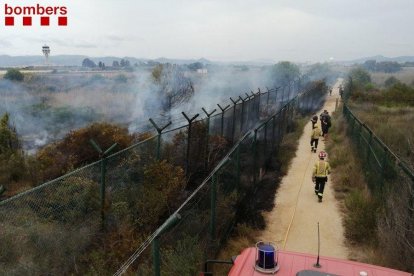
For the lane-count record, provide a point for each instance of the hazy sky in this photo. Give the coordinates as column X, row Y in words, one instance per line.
column 220, row 30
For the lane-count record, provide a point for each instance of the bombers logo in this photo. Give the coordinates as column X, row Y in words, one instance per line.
column 26, row 14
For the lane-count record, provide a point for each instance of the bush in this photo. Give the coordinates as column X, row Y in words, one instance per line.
column 360, row 76
column 8, row 136
column 75, row 149
column 361, row 221
column 184, row 258
column 163, row 187
column 12, row 162
column 14, row 75
column 391, row 81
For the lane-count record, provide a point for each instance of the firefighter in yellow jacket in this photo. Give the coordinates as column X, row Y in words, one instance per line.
column 316, row 133
column 320, row 174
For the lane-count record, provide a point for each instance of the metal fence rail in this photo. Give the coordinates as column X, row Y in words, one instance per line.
column 89, row 221
column 392, row 182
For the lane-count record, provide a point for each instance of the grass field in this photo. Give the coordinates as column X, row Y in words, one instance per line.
column 406, row 75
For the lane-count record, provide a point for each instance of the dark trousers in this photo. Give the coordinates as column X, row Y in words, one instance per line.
column 325, row 129
column 320, row 185
column 314, row 141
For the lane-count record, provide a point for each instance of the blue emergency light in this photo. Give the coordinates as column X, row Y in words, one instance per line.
column 266, row 258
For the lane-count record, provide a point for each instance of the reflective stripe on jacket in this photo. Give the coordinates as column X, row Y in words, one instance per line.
column 321, row 169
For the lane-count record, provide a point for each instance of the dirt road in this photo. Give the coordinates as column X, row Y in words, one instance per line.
column 292, row 224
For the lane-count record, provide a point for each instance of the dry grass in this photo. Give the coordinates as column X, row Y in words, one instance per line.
column 347, row 173
column 244, row 237
column 106, row 102
column 393, row 125
column 359, row 208
column 406, row 75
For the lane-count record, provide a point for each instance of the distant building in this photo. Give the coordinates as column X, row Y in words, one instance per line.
column 202, row 71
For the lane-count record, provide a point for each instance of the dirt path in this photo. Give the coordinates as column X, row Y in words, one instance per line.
column 292, row 224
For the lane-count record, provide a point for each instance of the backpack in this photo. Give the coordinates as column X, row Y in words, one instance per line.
column 328, row 121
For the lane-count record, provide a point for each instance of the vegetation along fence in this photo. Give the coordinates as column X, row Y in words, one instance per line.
column 91, row 220
column 194, row 232
column 391, row 182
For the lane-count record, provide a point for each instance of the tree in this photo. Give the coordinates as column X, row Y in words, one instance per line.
column 370, row 65
column 173, row 87
column 8, row 136
column 12, row 164
column 391, row 81
column 75, row 149
column 194, row 66
column 88, row 63
column 388, row 67
column 384, row 66
column 115, row 63
column 125, row 63
column 360, row 76
column 14, row 75
column 319, row 71
column 284, row 73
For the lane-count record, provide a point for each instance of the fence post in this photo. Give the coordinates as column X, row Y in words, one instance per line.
column 168, row 224
column 256, row 106
column 384, row 167
column 242, row 113
column 207, row 135
column 369, row 146
column 159, row 131
column 254, row 156
column 213, row 196
column 222, row 117
column 156, row 263
column 187, row 160
column 267, row 100
column 102, row 155
column 238, row 165
column 289, row 87
column 273, row 132
column 265, row 136
column 233, row 127
column 360, row 135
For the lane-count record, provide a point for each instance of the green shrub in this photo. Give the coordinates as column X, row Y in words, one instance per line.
column 75, row 149
column 73, row 200
column 184, row 258
column 361, row 219
column 14, row 75
column 8, row 137
column 163, row 187
column 32, row 246
column 391, row 81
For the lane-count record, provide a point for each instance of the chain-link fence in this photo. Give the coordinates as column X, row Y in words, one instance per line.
column 391, row 181
column 194, row 232
column 90, row 220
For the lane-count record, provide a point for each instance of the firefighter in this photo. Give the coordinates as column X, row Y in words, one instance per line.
column 341, row 91
column 325, row 123
column 314, row 120
column 320, row 174
column 316, row 133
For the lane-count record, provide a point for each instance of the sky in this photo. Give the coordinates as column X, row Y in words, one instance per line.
column 219, row 30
